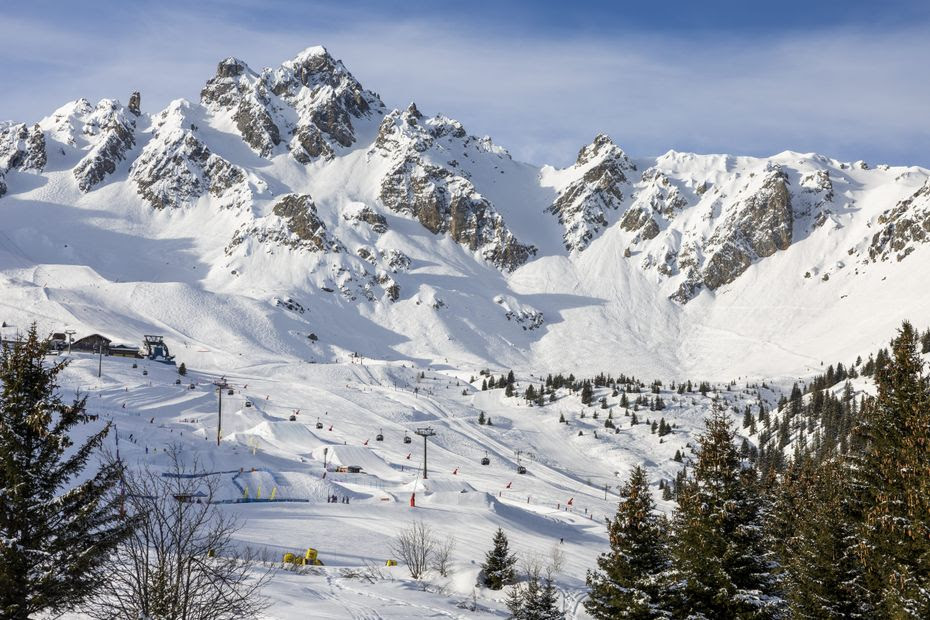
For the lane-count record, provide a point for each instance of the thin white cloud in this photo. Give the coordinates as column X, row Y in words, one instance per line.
column 846, row 93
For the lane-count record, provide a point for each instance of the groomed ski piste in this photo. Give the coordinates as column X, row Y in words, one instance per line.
column 270, row 469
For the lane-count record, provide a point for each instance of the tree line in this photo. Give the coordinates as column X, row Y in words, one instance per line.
column 830, row 534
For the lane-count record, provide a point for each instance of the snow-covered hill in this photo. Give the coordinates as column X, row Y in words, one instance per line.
column 291, row 215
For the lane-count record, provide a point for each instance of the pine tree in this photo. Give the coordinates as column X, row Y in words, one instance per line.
column 508, row 391
column 813, row 524
column 498, row 563
column 587, row 393
column 484, row 385
column 535, row 600
column 721, row 564
column 59, row 521
column 627, row 583
column 182, row 370
column 547, row 602
column 892, row 481
column 481, row 418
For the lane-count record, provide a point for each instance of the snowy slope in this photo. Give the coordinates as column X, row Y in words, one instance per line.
column 263, row 453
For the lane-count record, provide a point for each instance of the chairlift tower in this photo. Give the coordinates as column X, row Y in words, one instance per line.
column 426, row 431
column 70, row 333
column 220, row 386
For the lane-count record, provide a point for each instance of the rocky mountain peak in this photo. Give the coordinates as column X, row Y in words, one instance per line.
column 309, row 102
column 231, row 67
column 176, row 167
column 583, row 205
column 600, row 148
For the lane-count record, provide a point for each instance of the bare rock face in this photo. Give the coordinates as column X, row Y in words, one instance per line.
column 902, row 227
column 21, row 149
column 299, row 212
column 112, row 128
column 448, row 204
column 294, row 224
column 638, row 219
column 443, row 201
column 176, row 167
column 583, row 206
column 761, row 225
column 135, row 103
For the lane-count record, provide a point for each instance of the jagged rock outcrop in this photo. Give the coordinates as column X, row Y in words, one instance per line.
column 293, row 223
column 242, row 92
column 638, row 219
column 21, row 148
column 362, row 213
column 903, row 227
column 176, row 167
column 760, row 225
column 816, row 196
column 443, row 201
column 135, row 103
column 110, row 128
column 309, row 102
column 584, row 204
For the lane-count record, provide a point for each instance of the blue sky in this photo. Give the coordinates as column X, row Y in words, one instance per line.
column 847, row 79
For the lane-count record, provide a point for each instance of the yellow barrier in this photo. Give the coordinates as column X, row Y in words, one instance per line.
column 311, row 554
column 391, row 563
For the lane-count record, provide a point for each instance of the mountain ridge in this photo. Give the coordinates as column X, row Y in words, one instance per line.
column 402, row 235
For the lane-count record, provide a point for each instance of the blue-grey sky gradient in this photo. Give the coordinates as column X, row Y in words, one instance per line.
column 847, row 79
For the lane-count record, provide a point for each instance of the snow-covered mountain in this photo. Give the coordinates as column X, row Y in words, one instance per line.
column 289, row 214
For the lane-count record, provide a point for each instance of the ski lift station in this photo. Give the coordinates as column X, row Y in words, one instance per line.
column 156, row 349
